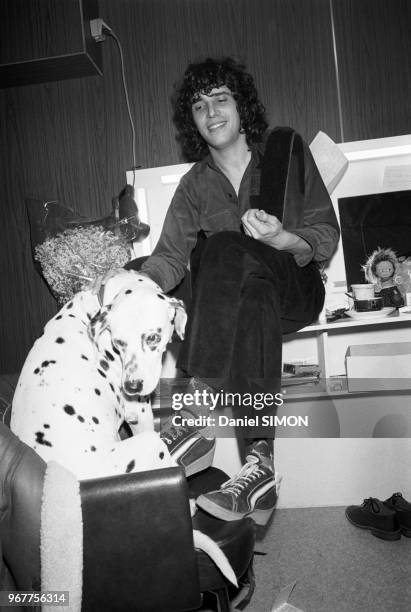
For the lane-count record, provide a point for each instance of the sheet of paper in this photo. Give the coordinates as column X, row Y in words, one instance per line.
column 397, row 178
column 331, row 161
column 281, row 601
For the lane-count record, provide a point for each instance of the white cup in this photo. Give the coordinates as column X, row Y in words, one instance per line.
column 366, row 291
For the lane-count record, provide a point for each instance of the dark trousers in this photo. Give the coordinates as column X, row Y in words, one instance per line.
column 245, row 296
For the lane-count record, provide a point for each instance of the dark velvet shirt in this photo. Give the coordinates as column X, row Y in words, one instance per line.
column 206, row 200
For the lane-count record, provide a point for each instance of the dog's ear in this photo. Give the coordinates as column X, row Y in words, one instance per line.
column 180, row 317
column 98, row 324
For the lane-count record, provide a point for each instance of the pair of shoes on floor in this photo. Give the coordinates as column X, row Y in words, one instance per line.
column 253, row 492
column 191, row 447
column 385, row 519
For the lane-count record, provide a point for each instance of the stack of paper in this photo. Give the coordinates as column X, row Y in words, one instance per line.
column 331, row 161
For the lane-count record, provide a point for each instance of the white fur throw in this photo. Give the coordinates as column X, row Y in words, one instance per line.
column 61, row 537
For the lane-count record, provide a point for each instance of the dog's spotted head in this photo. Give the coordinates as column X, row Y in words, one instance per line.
column 140, row 322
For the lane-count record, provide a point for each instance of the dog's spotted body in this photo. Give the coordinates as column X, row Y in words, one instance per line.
column 94, row 368
column 91, row 370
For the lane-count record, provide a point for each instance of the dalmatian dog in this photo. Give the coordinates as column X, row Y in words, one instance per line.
column 94, row 367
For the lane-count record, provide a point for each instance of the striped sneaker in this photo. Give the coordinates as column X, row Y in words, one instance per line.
column 252, row 492
column 187, row 444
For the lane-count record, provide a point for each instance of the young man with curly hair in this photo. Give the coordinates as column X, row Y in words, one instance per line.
column 255, row 218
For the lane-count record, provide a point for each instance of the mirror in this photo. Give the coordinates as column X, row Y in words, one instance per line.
column 372, row 221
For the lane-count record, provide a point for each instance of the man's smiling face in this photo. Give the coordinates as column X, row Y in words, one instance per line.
column 216, row 117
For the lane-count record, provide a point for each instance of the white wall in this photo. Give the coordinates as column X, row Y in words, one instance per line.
column 338, row 472
column 332, row 472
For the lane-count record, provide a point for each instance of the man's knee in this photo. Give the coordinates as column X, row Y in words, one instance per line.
column 223, row 245
column 221, row 240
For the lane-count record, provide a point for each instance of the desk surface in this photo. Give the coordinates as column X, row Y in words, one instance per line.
column 393, row 318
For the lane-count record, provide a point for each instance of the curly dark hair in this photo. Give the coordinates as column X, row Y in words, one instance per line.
column 202, row 77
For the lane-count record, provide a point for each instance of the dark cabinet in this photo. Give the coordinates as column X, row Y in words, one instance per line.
column 47, row 40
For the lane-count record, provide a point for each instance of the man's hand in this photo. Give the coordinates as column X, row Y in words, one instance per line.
column 264, row 227
column 268, row 229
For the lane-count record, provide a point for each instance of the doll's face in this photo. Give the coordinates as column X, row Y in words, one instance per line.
column 384, row 270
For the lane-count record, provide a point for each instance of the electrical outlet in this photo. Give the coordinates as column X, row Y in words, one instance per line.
column 97, row 27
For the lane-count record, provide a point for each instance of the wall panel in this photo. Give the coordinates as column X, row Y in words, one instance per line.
column 374, row 58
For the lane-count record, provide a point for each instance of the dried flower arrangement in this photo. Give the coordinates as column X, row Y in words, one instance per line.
column 73, row 258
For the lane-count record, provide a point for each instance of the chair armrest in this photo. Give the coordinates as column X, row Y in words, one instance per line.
column 21, row 484
column 8, row 384
column 138, row 544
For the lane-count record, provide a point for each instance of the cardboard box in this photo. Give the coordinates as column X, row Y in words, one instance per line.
column 379, row 367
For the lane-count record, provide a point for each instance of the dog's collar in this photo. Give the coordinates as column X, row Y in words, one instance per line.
column 100, row 295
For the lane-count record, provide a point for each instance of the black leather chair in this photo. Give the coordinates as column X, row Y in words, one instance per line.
column 137, row 536
column 235, row 538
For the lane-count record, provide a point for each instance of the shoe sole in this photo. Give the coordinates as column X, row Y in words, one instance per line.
column 378, row 533
column 406, row 531
column 200, row 464
column 260, row 517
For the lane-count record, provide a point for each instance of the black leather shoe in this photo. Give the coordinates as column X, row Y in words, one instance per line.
column 375, row 516
column 402, row 509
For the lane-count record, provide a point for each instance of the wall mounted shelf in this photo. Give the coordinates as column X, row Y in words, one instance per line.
column 47, row 41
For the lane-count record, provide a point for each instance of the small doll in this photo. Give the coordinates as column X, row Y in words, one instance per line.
column 382, row 269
